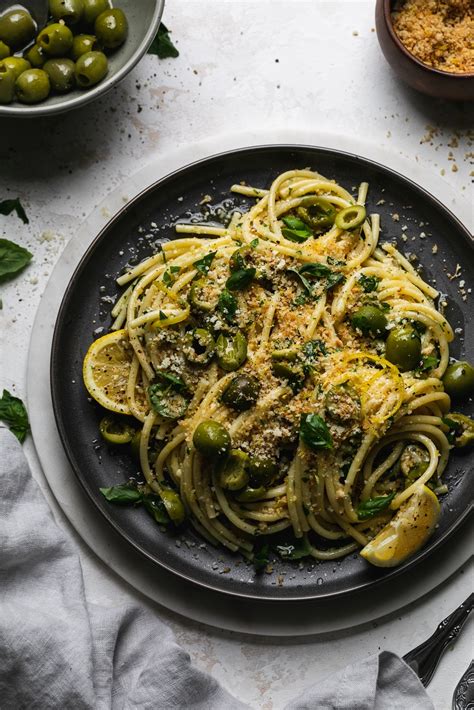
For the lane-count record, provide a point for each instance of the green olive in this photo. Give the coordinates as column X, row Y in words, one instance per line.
column 61, row 74
column 414, row 461
column 317, row 212
column 249, row 495
column 32, row 86
column 68, row 10
column 288, row 354
column 241, row 393
column 463, row 427
column 291, row 371
column 233, row 475
column 55, row 40
column 211, row 439
column 93, row 8
column 7, row 85
column 135, row 444
column 82, row 44
column 403, row 347
column 198, row 296
column 458, row 380
column 17, row 28
column 231, row 352
column 262, row 471
column 17, row 65
column 240, row 259
column 91, row 68
column 199, row 346
column 351, row 217
column 173, row 504
column 35, row 56
column 115, row 431
column 343, row 404
column 111, row 28
column 4, row 50
column 370, row 320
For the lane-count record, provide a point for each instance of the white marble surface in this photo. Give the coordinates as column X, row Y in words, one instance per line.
column 330, row 76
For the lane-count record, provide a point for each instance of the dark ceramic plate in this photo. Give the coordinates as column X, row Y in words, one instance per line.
column 134, row 233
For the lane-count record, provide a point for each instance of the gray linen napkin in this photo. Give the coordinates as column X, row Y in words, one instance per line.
column 60, row 651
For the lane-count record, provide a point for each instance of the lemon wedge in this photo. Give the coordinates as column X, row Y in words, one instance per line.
column 407, row 532
column 106, row 370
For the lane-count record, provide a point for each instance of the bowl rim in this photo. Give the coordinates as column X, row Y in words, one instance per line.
column 387, row 12
column 100, row 89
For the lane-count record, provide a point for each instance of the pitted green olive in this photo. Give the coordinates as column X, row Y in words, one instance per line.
column 351, row 217
column 241, row 393
column 199, row 346
column 111, row 28
column 212, row 439
column 403, row 347
column 262, row 471
column 55, row 40
column 231, row 352
column 32, row 86
column 82, row 44
column 463, row 429
column 16, row 28
column 61, row 74
column 91, row 68
column 116, row 431
column 343, row 404
column 317, row 212
column 458, row 380
column 370, row 320
column 16, row 64
column 414, row 461
column 35, row 56
column 7, row 85
column 233, row 475
column 68, row 10
column 240, row 259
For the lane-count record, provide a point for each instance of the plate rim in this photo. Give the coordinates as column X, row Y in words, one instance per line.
column 461, row 230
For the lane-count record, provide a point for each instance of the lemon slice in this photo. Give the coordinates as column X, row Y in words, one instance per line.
column 407, row 532
column 106, row 369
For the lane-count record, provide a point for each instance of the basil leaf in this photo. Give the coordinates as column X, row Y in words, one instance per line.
column 296, row 223
column 13, row 413
column 294, row 550
column 254, row 243
column 428, row 362
column 369, row 283
column 315, row 269
column 306, row 284
column 166, row 401
column 162, row 45
column 227, row 305
column 261, row 558
column 370, row 508
column 155, row 506
column 13, row 258
column 314, row 432
column 9, row 206
column 123, row 494
column 203, row 265
column 172, row 380
column 334, row 278
column 167, row 280
column 240, row 279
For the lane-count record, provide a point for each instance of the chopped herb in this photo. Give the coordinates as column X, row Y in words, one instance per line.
column 171, row 380
column 261, row 558
column 335, row 262
column 313, row 349
column 163, row 316
column 428, row 362
column 294, row 550
column 175, row 269
column 254, row 243
column 162, row 45
column 369, row 283
column 296, row 230
column 13, row 413
column 315, row 269
column 314, row 432
column 373, row 506
column 167, row 278
column 9, row 206
column 124, row 494
column 203, row 265
column 227, row 305
column 155, row 506
column 13, row 259
column 240, row 279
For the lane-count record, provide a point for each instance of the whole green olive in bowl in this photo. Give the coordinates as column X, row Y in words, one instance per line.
column 126, row 28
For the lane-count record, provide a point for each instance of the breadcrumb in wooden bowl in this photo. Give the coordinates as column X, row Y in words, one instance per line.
column 430, row 44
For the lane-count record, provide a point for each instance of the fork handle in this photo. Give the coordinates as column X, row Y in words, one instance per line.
column 425, row 657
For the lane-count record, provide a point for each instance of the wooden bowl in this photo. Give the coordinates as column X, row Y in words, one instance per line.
column 441, row 84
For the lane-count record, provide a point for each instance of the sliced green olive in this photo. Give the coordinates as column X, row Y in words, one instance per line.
column 458, row 380
column 249, row 494
column 212, row 439
column 262, row 471
column 464, row 429
column 370, row 320
column 414, row 461
column 198, row 296
column 173, row 504
column 351, row 217
column 240, row 258
column 403, row 347
column 233, row 475
column 288, row 354
column 115, row 431
column 199, row 346
column 241, row 393
column 317, row 212
column 231, row 352
column 343, row 404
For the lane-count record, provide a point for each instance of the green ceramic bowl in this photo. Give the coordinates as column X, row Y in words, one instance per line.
column 144, row 18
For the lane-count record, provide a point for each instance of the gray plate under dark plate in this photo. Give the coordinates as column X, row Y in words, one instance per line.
column 135, row 233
